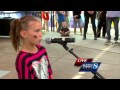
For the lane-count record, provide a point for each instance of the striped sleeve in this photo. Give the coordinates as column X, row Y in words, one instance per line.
column 21, row 66
column 49, row 65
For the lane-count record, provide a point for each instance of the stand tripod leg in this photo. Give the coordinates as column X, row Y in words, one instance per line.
column 96, row 74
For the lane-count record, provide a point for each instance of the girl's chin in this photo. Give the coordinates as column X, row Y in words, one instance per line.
column 37, row 42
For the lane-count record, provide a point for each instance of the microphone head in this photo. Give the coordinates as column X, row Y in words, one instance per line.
column 59, row 40
column 53, row 40
column 48, row 40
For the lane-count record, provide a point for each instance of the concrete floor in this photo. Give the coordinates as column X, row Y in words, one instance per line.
column 62, row 61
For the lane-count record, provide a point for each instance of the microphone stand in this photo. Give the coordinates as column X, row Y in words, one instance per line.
column 96, row 74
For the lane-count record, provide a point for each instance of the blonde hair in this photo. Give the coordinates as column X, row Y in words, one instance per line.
column 16, row 26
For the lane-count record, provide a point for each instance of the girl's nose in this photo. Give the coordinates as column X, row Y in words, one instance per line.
column 40, row 35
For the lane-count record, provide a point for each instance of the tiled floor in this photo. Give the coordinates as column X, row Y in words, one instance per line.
column 3, row 73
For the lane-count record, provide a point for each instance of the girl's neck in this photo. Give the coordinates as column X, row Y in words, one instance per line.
column 29, row 48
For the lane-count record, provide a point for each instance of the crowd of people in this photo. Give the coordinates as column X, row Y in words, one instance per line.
column 105, row 19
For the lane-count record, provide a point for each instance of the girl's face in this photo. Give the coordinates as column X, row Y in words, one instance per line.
column 34, row 32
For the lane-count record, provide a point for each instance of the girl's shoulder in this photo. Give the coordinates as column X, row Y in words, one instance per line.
column 40, row 47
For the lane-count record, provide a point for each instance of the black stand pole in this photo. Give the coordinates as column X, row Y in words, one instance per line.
column 51, row 21
column 96, row 74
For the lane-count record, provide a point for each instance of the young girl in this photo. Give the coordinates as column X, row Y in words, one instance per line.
column 32, row 60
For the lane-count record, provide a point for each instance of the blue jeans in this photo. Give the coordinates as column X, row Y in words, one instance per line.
column 108, row 27
column 59, row 27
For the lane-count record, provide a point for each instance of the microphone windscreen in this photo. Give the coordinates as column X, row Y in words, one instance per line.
column 48, row 40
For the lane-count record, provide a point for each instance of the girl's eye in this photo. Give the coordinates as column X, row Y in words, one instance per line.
column 38, row 30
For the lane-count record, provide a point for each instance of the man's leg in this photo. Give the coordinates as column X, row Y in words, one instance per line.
column 79, row 23
column 104, row 29
column 86, row 25
column 59, row 27
column 108, row 28
column 99, row 28
column 116, row 21
column 93, row 17
column 75, row 26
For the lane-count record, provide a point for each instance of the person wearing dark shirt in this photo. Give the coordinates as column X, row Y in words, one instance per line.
column 101, row 23
column 77, row 17
column 92, row 15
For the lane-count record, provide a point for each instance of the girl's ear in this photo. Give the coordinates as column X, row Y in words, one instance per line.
column 23, row 34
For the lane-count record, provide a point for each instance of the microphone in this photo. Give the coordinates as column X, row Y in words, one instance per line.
column 59, row 40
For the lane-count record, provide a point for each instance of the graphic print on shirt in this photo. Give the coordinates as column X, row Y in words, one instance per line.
column 41, row 68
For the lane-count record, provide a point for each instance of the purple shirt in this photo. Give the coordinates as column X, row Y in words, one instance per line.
column 113, row 14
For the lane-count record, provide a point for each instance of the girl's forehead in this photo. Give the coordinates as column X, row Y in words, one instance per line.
column 34, row 25
column 34, row 22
